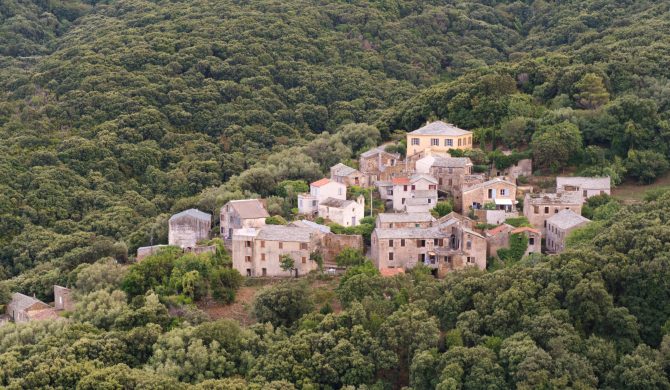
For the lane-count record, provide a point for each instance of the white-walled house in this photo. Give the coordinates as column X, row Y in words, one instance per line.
column 419, row 187
column 319, row 191
column 586, row 186
column 343, row 212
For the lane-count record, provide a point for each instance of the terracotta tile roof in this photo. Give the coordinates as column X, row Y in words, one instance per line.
column 497, row 230
column 390, row 272
column 525, row 229
column 400, row 181
column 320, row 182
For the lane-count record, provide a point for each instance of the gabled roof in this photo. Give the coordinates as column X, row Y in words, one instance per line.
column 593, row 183
column 285, row 233
column 43, row 314
column 378, row 150
column 566, row 219
column 400, row 181
column 451, row 162
column 488, row 183
column 440, row 128
column 249, row 208
column 545, row 198
column 340, row 169
column 320, row 182
column 405, row 217
column 309, row 224
column 337, row 203
column 410, row 232
column 499, row 229
column 523, row 229
column 419, row 176
column 22, row 302
column 193, row 213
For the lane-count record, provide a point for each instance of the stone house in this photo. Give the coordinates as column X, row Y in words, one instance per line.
column 559, row 226
column 188, row 227
column 586, row 186
column 23, row 308
column 63, row 299
column 438, row 137
column 451, row 245
column 537, row 208
column 422, row 188
column 499, row 236
column 342, row 211
column 449, row 171
column 257, row 251
column 522, row 167
column 319, row 191
column 347, row 175
column 404, row 220
column 385, row 189
column 238, row 214
column 497, row 191
column 379, row 165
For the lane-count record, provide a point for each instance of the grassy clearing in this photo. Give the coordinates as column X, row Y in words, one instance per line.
column 633, row 192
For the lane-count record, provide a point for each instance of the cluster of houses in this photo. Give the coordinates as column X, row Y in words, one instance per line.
column 407, row 233
column 23, row 308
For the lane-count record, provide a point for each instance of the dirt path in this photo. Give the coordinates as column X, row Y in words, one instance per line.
column 238, row 310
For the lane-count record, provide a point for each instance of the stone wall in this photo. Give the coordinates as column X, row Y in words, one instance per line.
column 335, row 243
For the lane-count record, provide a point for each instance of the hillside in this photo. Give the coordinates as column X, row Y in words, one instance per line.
column 116, row 113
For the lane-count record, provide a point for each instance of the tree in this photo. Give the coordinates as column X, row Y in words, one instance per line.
column 349, row 257
column 591, row 92
column 286, row 263
column 646, row 165
column 553, row 146
column 442, row 208
column 283, row 304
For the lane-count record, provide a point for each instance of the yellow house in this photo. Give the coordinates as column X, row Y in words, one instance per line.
column 438, row 137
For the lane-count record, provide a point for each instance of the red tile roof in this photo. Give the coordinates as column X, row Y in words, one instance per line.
column 496, row 230
column 389, row 272
column 525, row 229
column 400, row 180
column 321, row 182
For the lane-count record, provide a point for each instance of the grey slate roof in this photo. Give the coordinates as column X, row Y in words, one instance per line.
column 285, row 233
column 405, row 217
column 340, row 169
column 310, row 224
column 249, row 208
column 566, row 219
column 419, row 176
column 338, row 203
column 414, row 232
column 378, row 150
column 452, row 162
column 440, row 128
column 193, row 213
column 551, row 198
column 591, row 183
column 22, row 302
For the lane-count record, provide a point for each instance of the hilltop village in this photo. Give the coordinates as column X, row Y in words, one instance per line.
column 438, row 212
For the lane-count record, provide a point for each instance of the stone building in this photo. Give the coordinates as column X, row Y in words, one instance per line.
column 586, row 186
column 188, row 227
column 320, row 190
column 449, row 171
column 419, row 187
column 257, row 252
column 451, row 245
column 404, row 220
column 523, row 167
column 238, row 214
column 540, row 207
column 23, row 308
column 559, row 226
column 342, row 211
column 534, row 239
column 63, row 299
column 438, row 137
column 379, row 165
column 499, row 236
column 501, row 193
column 348, row 176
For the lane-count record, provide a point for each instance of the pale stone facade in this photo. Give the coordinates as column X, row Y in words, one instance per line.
column 189, row 227
column 500, row 192
column 421, row 188
column 438, row 137
column 348, row 176
column 404, row 220
column 319, row 191
column 523, row 167
column 540, row 207
column 498, row 238
column 238, row 214
column 379, row 165
column 343, row 212
column 586, row 186
column 23, row 308
column 63, row 299
column 451, row 245
column 559, row 226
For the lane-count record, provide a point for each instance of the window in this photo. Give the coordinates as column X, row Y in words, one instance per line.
column 402, row 242
column 247, row 259
column 536, row 209
column 281, row 245
column 439, row 181
column 546, row 210
column 448, row 142
column 389, row 192
column 468, row 245
column 304, row 260
column 248, row 271
column 262, row 244
column 503, row 192
column 470, row 260
column 432, row 187
column 450, row 170
column 555, row 210
column 447, row 259
column 585, row 193
column 416, row 225
column 247, row 244
column 413, row 187
column 434, row 142
column 262, row 256
column 390, row 243
column 545, row 223
column 469, row 140
column 403, row 200
column 450, row 182
column 303, row 246
column 490, row 192
column 459, row 142
column 421, row 243
column 404, row 188
column 436, row 242
column 430, row 201
column 339, row 191
column 265, row 271
column 391, row 256
column 415, row 141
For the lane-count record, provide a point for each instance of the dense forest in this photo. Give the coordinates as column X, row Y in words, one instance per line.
column 115, row 114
